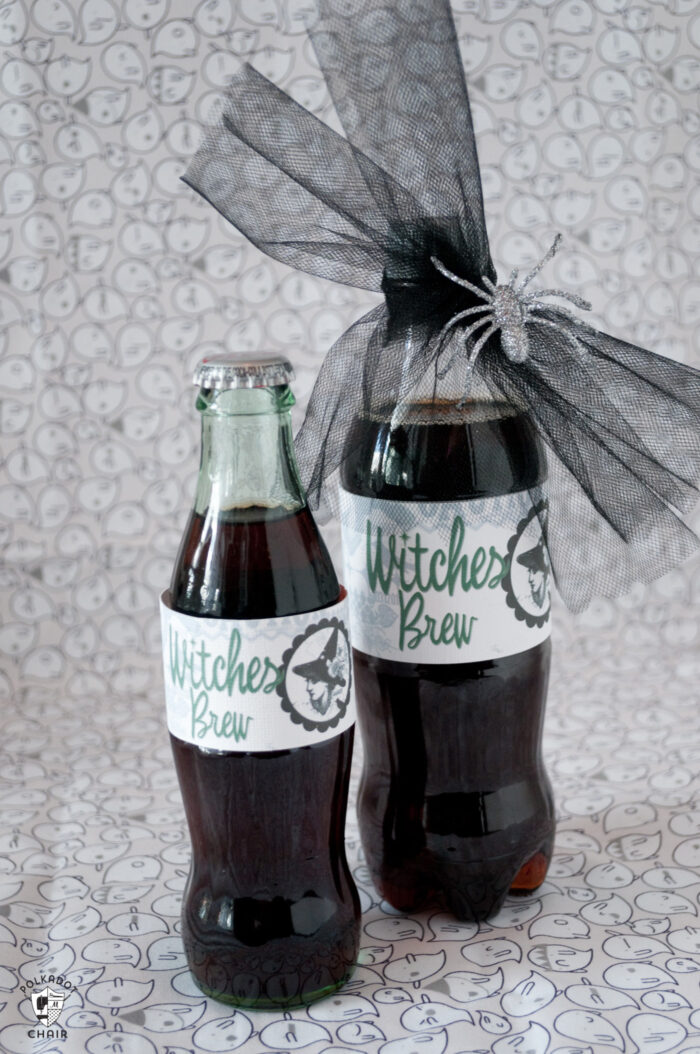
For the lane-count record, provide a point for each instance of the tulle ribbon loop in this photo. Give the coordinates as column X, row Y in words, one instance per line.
column 395, row 205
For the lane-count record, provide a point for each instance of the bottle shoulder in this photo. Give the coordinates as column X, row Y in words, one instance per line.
column 253, row 563
column 443, row 461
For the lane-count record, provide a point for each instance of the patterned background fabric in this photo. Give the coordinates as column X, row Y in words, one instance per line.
column 114, row 280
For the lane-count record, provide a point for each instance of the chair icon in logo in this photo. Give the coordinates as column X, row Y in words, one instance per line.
column 47, row 1005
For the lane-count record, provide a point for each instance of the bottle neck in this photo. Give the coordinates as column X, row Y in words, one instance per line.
column 248, row 458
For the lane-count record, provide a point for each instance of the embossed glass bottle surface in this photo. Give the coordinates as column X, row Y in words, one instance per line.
column 445, row 509
column 270, row 914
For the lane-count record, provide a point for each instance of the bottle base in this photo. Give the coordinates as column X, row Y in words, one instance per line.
column 472, row 892
column 532, row 874
column 277, row 974
column 290, row 1002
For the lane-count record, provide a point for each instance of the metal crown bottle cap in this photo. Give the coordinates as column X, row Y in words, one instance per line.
column 243, row 370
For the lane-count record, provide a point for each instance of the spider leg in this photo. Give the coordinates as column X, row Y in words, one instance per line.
column 535, row 305
column 488, row 283
column 465, row 336
column 585, row 305
column 459, row 281
column 480, row 343
column 456, row 319
column 562, row 329
column 477, row 324
column 536, row 270
column 472, row 359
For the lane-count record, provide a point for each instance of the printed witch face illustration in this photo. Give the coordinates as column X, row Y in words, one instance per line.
column 535, row 562
column 319, row 694
column 323, row 675
column 528, row 581
column 316, row 678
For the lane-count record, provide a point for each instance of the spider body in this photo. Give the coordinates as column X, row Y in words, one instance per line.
column 510, row 313
column 506, row 308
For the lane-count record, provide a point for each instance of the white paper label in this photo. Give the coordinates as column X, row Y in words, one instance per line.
column 446, row 582
column 257, row 684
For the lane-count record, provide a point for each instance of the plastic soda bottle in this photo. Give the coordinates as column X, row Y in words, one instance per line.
column 443, row 520
column 258, row 679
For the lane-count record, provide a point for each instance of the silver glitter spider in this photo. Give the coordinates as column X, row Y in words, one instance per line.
column 507, row 309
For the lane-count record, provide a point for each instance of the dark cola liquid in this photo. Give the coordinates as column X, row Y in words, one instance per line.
column 455, row 808
column 270, row 915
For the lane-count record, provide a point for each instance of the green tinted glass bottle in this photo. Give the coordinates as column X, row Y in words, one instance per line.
column 258, row 687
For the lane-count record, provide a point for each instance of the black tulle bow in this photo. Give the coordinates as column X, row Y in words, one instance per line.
column 395, row 205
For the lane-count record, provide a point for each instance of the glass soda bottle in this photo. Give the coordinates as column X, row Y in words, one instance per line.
column 443, row 517
column 258, row 678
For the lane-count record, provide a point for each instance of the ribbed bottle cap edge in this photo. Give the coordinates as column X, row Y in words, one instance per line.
column 245, row 370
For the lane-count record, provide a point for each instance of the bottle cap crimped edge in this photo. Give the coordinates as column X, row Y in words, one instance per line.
column 243, row 370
